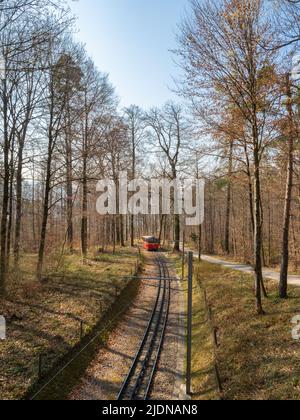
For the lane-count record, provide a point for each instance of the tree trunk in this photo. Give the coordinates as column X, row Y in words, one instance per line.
column 176, row 233
column 45, row 213
column 84, row 220
column 258, row 236
column 132, row 230
column 34, row 236
column 69, row 190
column 283, row 286
column 121, row 222
column 46, row 205
column 250, row 189
column 114, row 233
column 176, row 218
column 228, row 203
column 269, row 231
column 18, row 204
column 133, row 176
column 161, row 226
column 5, row 201
column 11, row 208
column 200, row 243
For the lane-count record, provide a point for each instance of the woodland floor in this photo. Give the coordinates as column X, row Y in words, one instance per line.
column 45, row 318
column 256, row 356
column 104, row 377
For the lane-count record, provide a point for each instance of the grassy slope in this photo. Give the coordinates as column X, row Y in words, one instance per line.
column 293, row 271
column 203, row 379
column 257, row 357
column 45, row 319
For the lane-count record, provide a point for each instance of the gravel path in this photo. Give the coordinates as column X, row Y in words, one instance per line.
column 293, row 280
column 104, row 377
column 167, row 382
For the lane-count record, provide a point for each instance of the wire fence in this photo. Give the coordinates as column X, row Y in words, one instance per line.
column 47, row 362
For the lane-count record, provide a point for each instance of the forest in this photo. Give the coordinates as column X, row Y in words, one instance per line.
column 235, row 124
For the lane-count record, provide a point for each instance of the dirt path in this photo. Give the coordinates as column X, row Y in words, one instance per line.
column 104, row 377
column 270, row 274
column 168, row 380
column 267, row 273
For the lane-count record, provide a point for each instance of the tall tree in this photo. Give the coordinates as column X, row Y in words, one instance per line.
column 70, row 84
column 25, row 26
column 170, row 132
column 136, row 130
column 245, row 76
column 292, row 134
column 55, row 102
column 98, row 102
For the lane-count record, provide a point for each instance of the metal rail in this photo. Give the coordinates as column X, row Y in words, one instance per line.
column 161, row 343
column 139, row 381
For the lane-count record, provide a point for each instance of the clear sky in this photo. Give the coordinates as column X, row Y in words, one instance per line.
column 130, row 40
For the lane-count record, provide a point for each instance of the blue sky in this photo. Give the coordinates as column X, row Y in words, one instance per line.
column 130, row 40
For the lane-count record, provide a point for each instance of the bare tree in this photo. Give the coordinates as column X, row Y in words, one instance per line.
column 136, row 131
column 287, row 20
column 226, row 48
column 117, row 157
column 98, row 101
column 25, row 27
column 292, row 136
column 170, row 131
column 55, row 102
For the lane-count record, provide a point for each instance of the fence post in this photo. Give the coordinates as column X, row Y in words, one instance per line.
column 190, row 324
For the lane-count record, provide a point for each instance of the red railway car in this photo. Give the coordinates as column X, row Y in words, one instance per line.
column 150, row 243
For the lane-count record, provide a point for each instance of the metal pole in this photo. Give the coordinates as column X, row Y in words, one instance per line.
column 190, row 324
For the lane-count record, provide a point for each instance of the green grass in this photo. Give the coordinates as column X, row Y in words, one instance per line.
column 257, row 357
column 45, row 318
column 204, row 385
